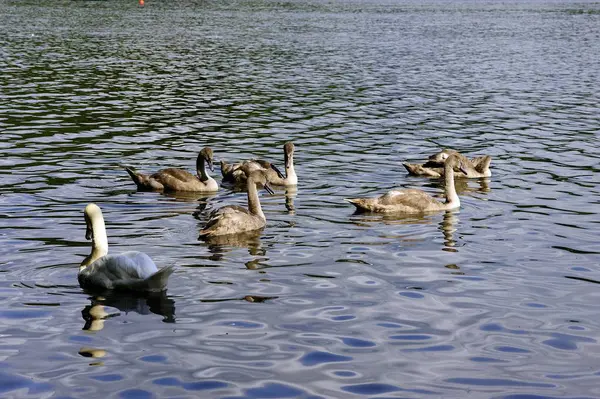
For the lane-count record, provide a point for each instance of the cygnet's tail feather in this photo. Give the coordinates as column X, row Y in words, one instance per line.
column 411, row 167
column 227, row 170
column 139, row 179
column 362, row 204
column 353, row 201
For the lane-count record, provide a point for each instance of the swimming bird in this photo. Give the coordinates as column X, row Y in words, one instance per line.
column 412, row 200
column 234, row 172
column 473, row 168
column 237, row 172
column 232, row 219
column 132, row 271
column 173, row 179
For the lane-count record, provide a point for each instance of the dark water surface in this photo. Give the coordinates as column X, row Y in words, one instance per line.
column 500, row 299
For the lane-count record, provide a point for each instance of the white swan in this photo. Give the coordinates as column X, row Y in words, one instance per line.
column 133, row 271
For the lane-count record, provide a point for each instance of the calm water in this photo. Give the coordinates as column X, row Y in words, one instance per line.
column 500, row 299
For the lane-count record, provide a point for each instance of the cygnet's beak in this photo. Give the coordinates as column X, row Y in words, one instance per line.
column 268, row 188
column 281, row 176
column 463, row 169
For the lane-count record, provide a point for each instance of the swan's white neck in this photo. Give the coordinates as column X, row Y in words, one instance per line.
column 99, row 240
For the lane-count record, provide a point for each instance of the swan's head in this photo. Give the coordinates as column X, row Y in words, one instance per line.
column 91, row 213
column 259, row 177
column 442, row 156
column 207, row 154
column 457, row 161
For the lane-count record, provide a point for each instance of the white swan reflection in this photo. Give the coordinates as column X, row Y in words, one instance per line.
column 103, row 308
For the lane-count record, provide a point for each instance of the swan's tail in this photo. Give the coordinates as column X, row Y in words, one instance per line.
column 155, row 283
column 158, row 281
column 412, row 168
column 363, row 204
column 140, row 180
column 228, row 169
column 225, row 168
column 357, row 202
column 482, row 164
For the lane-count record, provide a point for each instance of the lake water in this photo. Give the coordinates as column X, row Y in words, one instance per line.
column 497, row 300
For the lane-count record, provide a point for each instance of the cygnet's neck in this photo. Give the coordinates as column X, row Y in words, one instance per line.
column 253, row 201
column 452, row 200
column 201, row 169
column 290, row 173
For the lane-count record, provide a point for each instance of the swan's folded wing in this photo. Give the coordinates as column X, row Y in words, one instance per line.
column 128, row 265
column 173, row 175
column 231, row 218
column 409, row 197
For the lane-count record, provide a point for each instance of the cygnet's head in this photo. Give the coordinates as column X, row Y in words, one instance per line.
column 441, row 156
column 260, row 178
column 288, row 148
column 207, row 154
column 456, row 161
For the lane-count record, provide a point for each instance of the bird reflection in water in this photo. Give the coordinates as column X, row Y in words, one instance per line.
column 290, row 195
column 96, row 313
column 463, row 186
column 247, row 298
column 447, row 224
column 448, row 227
column 93, row 353
column 189, row 196
column 203, row 206
column 453, row 266
column 220, row 245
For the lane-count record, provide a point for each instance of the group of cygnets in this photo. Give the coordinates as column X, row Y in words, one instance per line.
column 135, row 271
